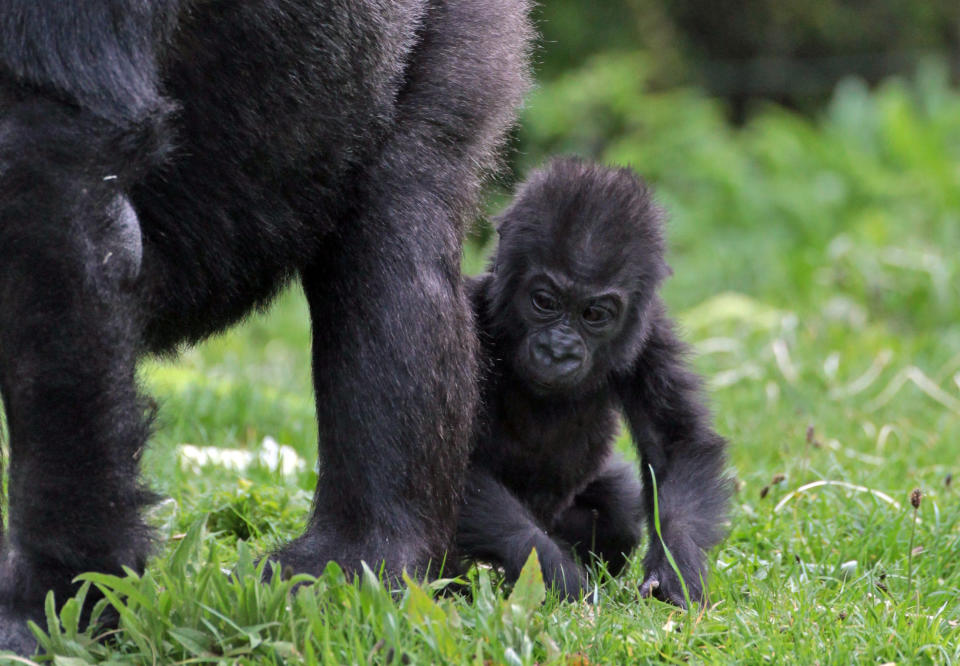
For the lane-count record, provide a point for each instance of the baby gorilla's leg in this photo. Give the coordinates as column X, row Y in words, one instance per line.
column 606, row 517
column 496, row 527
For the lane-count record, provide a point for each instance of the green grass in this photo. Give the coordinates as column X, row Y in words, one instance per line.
column 817, row 272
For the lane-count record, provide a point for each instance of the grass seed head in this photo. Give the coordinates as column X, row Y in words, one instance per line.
column 915, row 498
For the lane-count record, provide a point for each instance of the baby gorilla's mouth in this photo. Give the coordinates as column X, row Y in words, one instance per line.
column 553, row 386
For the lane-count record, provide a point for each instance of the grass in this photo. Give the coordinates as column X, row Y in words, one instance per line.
column 817, row 280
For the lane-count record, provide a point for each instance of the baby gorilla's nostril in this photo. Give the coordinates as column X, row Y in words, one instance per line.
column 542, row 353
column 565, row 346
column 545, row 351
column 552, row 352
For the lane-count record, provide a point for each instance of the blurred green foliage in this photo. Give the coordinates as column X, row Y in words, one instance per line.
column 793, row 52
column 861, row 203
column 814, row 27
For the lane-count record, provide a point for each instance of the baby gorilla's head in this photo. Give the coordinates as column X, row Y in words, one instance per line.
column 580, row 258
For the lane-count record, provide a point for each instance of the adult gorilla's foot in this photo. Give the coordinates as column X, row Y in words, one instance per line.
column 22, row 591
column 311, row 552
column 14, row 633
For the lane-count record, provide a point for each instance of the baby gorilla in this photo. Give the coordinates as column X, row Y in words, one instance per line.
column 574, row 335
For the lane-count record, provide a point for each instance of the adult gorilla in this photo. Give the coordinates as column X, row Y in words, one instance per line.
column 168, row 165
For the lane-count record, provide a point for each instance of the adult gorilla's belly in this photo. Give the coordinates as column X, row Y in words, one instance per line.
column 270, row 87
column 279, row 105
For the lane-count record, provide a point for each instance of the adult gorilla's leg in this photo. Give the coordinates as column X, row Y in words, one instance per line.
column 394, row 342
column 69, row 255
column 394, row 364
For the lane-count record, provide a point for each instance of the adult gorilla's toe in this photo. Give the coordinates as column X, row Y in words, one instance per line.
column 15, row 636
column 311, row 552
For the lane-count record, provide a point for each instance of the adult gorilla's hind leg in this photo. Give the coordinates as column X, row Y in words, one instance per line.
column 394, row 364
column 394, row 341
column 69, row 252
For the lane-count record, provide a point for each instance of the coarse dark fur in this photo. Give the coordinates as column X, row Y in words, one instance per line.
column 575, row 335
column 168, row 165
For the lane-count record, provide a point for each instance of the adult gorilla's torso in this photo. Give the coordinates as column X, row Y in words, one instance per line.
column 280, row 106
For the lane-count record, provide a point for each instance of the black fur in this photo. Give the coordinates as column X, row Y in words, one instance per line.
column 574, row 335
column 168, row 165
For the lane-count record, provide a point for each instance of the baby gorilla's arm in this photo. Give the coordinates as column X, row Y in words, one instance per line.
column 671, row 426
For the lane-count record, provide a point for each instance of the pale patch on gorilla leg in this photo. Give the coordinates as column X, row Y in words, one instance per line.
column 123, row 242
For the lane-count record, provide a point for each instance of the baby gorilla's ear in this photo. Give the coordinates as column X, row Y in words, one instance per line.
column 500, row 225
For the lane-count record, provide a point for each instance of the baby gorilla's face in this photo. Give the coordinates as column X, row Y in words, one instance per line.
column 567, row 326
column 580, row 258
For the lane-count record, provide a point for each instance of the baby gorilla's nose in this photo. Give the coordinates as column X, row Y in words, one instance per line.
column 560, row 346
column 559, row 353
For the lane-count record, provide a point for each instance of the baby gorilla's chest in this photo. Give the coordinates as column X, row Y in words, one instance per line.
column 553, row 459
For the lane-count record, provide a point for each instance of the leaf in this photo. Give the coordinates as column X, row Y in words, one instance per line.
column 69, row 661
column 70, row 616
column 666, row 551
column 529, row 591
column 429, row 619
column 129, row 620
column 186, row 548
column 511, row 657
column 419, row 607
column 53, row 623
column 370, row 580
column 196, row 642
column 125, row 586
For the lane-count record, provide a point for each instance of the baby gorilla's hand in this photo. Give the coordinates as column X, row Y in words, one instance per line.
column 662, row 582
column 665, row 586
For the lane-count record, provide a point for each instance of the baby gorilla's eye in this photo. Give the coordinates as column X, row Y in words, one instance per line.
column 544, row 302
column 596, row 315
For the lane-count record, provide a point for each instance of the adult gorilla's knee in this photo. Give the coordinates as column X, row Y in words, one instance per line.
column 119, row 242
column 68, row 172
